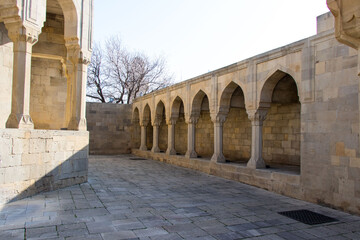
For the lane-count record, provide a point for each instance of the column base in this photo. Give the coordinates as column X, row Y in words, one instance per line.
column 256, row 163
column 77, row 125
column 171, row 151
column 191, row 154
column 143, row 148
column 19, row 121
column 155, row 150
column 219, row 158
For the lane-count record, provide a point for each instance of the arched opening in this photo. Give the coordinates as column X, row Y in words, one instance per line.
column 149, row 129
column 281, row 129
column 136, row 130
column 48, row 80
column 237, row 126
column 163, row 129
column 204, row 131
column 178, row 113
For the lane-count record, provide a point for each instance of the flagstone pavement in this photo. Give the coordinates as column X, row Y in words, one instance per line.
column 146, row 199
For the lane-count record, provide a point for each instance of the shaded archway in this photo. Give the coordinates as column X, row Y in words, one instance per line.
column 237, row 126
column 281, row 129
column 136, row 130
column 178, row 113
column 163, row 129
column 204, row 131
column 148, row 127
column 48, row 73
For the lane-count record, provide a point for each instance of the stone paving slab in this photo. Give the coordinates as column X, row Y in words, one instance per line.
column 128, row 199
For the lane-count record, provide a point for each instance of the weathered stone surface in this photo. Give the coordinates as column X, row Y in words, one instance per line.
column 110, row 128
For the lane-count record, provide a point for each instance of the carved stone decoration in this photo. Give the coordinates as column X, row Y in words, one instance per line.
column 347, row 21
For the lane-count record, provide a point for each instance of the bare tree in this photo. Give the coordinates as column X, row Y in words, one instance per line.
column 117, row 75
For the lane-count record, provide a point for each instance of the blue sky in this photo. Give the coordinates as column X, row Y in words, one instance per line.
column 197, row 36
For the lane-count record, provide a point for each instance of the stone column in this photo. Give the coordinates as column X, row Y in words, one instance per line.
column 24, row 38
column 171, row 137
column 155, row 147
column 143, row 125
column 191, row 153
column 257, row 118
column 218, row 139
column 76, row 94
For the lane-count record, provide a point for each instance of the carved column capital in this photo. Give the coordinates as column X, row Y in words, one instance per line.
column 257, row 116
column 171, row 121
column 218, row 118
column 17, row 32
column 192, row 119
column 156, row 122
column 144, row 123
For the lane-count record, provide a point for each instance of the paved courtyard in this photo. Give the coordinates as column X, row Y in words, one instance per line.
column 145, row 199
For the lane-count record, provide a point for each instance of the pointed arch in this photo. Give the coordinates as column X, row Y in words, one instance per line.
column 175, row 107
column 266, row 93
column 197, row 102
column 225, row 99
column 160, row 110
column 136, row 115
column 146, row 114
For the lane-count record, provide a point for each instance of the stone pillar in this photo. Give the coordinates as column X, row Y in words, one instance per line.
column 257, row 118
column 218, row 139
column 143, row 125
column 191, row 153
column 155, row 147
column 24, row 38
column 171, row 137
column 76, row 79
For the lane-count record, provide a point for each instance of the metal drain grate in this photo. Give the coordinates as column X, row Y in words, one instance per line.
column 308, row 217
column 134, row 158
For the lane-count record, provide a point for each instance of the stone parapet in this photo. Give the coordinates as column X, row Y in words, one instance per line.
column 33, row 161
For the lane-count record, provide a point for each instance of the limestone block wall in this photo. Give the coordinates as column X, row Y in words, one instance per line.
column 48, row 94
column 110, row 128
column 163, row 136
column 48, row 80
column 32, row 161
column 281, row 134
column 237, row 136
column 136, row 135
column 181, row 130
column 330, row 162
column 149, row 136
column 6, row 72
column 204, row 136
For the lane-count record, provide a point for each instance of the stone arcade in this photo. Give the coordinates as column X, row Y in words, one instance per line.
column 293, row 110
column 45, row 46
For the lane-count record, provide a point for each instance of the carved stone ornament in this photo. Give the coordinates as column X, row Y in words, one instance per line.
column 347, row 21
column 257, row 117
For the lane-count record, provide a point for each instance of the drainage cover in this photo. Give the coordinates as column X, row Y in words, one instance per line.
column 134, row 158
column 308, row 217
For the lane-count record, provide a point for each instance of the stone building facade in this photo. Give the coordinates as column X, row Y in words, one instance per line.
column 45, row 47
column 286, row 120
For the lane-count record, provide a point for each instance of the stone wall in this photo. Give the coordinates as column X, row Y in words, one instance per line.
column 32, row 161
column 110, row 128
column 181, row 130
column 237, row 136
column 48, row 80
column 281, row 134
column 6, row 74
column 204, row 136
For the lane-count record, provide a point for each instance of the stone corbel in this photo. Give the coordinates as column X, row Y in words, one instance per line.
column 347, row 21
